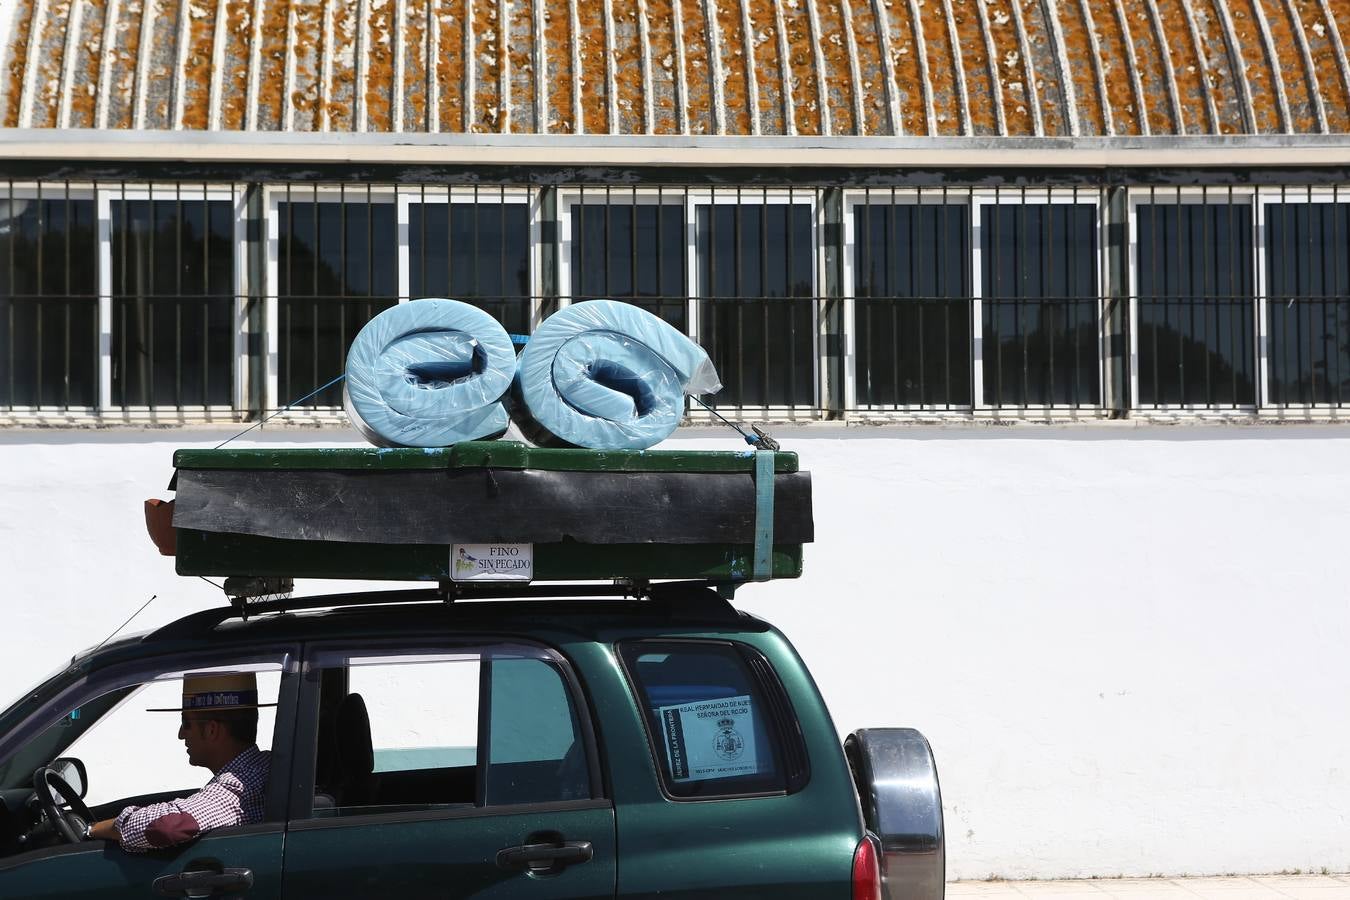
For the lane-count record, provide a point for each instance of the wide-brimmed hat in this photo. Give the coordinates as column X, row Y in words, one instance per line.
column 218, row 693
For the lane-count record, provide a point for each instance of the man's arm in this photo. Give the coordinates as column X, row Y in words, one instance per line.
column 104, row 831
column 140, row 828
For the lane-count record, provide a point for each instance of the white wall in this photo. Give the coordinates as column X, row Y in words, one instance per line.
column 1127, row 645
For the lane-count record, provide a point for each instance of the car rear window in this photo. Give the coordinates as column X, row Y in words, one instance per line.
column 715, row 722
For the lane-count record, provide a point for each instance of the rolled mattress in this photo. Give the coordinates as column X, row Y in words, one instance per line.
column 606, row 375
column 429, row 373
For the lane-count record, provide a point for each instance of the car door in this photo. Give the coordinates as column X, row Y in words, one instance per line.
column 242, row 861
column 447, row 771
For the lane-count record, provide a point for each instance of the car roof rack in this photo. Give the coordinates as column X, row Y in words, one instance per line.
column 254, row 596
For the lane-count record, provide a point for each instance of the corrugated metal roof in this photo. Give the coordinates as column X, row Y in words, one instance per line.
column 683, row 67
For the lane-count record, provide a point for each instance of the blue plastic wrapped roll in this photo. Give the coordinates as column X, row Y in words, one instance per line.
column 429, row 373
column 607, row 376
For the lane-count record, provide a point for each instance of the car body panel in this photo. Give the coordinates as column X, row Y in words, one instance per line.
column 454, row 856
column 104, row 872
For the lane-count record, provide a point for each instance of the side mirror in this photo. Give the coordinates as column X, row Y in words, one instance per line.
column 72, row 771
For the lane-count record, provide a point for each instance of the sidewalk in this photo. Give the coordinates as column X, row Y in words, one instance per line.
column 1244, row 887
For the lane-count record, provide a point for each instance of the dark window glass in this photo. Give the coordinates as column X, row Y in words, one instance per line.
column 631, row 252
column 713, row 731
column 912, row 313
column 1308, row 312
column 48, row 301
column 173, row 302
column 1040, row 305
column 476, row 252
column 337, row 269
column 757, row 317
column 1196, row 309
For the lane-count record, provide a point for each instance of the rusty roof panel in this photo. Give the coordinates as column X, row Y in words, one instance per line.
column 1269, row 104
column 1301, row 94
column 736, row 98
column 871, row 89
column 50, row 52
column 769, row 92
column 558, row 68
column 377, row 90
column 448, row 47
column 122, row 73
column 1053, row 85
column 630, row 89
column 906, row 69
column 837, row 77
column 697, row 71
column 1082, row 51
column 273, row 59
column 519, row 54
column 158, row 64
column 804, row 86
column 1016, row 79
column 950, row 106
column 488, row 113
column 195, row 76
column 17, row 52
column 1154, row 65
column 87, row 49
column 665, row 66
column 592, row 66
column 975, row 68
column 413, row 90
column 235, row 61
column 340, row 108
column 834, row 67
column 1119, row 112
column 307, row 47
column 1329, row 63
column 1218, row 54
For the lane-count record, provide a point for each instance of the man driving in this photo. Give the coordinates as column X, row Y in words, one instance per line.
column 219, row 729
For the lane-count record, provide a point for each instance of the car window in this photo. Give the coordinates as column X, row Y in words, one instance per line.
column 712, row 729
column 421, row 730
column 134, row 750
column 124, row 726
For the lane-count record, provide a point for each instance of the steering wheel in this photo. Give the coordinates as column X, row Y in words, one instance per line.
column 69, row 823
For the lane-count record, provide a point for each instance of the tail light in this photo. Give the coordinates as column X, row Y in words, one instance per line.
column 866, row 871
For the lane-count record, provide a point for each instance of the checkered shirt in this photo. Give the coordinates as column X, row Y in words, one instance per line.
column 234, row 796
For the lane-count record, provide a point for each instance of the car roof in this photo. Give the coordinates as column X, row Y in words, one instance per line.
column 560, row 620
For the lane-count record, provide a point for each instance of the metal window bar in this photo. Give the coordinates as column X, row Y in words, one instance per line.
column 1196, row 303
column 48, row 301
column 1309, row 300
column 905, row 299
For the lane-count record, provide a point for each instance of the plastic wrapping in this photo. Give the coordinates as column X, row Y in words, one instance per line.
column 607, row 376
column 429, row 373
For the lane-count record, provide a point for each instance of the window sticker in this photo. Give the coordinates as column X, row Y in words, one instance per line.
column 710, row 739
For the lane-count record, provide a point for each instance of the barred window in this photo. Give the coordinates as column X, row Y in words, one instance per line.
column 630, row 248
column 1195, row 309
column 49, row 331
column 336, row 269
column 1308, row 310
column 1040, row 306
column 756, row 278
column 172, row 301
column 472, row 247
column 912, row 302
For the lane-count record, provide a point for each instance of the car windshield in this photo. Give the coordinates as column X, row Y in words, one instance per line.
column 17, row 771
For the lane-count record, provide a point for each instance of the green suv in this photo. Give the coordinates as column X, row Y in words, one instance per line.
column 569, row 741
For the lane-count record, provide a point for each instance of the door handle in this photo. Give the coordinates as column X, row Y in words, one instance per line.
column 200, row 883
column 545, row 858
